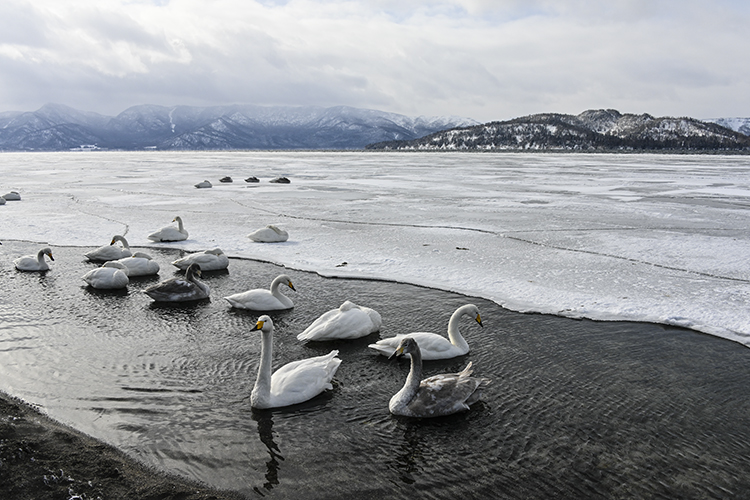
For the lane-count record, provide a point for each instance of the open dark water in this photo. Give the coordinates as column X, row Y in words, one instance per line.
column 577, row 409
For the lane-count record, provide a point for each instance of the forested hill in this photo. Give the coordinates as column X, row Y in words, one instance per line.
column 593, row 130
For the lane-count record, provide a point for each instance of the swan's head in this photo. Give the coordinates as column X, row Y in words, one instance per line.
column 142, row 255
column 215, row 251
column 177, row 219
column 48, row 252
column 473, row 312
column 407, row 346
column 264, row 324
column 117, row 238
column 193, row 270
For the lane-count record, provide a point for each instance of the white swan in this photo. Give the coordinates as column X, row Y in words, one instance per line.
column 432, row 345
column 180, row 289
column 293, row 383
column 140, row 264
column 269, row 234
column 260, row 299
column 209, row 260
column 34, row 262
column 110, row 252
column 349, row 321
column 204, row 184
column 111, row 276
column 12, row 196
column 170, row 233
column 434, row 396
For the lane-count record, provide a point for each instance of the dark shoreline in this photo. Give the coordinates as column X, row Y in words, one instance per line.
column 42, row 458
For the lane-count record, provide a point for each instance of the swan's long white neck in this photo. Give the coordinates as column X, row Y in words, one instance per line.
column 40, row 256
column 179, row 224
column 122, row 240
column 411, row 386
column 453, row 334
column 275, row 289
column 262, row 391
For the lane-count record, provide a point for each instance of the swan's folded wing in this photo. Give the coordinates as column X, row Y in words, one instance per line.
column 351, row 323
column 304, row 379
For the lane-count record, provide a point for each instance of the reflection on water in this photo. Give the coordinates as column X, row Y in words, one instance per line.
column 576, row 409
column 265, row 431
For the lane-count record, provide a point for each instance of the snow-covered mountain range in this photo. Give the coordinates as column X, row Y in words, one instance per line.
column 55, row 127
column 593, row 130
column 741, row 125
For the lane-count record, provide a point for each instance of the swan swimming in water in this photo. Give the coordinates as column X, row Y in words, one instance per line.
column 170, row 233
column 34, row 262
column 204, row 184
column 432, row 345
column 111, row 276
column 434, row 396
column 269, row 234
column 140, row 264
column 260, row 299
column 209, row 260
column 12, row 196
column 293, row 383
column 111, row 251
column 180, row 289
column 349, row 321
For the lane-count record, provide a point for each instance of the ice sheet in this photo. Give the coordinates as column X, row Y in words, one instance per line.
column 657, row 238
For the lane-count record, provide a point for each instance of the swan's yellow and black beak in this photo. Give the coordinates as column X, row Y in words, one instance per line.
column 291, row 286
column 479, row 320
column 397, row 353
column 112, row 242
column 49, row 254
column 258, row 326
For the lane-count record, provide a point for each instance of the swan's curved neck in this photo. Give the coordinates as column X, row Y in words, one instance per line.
column 411, row 386
column 453, row 334
column 262, row 390
column 121, row 240
column 40, row 256
column 275, row 289
column 179, row 225
column 190, row 276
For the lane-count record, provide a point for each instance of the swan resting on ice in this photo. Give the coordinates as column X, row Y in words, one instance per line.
column 293, row 383
column 170, row 233
column 269, row 234
column 180, row 289
column 111, row 251
column 260, row 299
column 349, row 321
column 209, row 260
column 34, row 262
column 432, row 345
column 111, row 276
column 434, row 396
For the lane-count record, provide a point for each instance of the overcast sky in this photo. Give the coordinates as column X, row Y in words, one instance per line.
column 484, row 59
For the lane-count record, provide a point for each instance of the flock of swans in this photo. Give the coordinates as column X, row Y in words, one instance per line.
column 300, row 380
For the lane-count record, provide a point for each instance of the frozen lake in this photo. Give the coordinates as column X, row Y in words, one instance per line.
column 577, row 408
column 657, row 238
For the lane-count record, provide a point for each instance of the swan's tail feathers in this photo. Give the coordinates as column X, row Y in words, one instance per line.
column 333, row 363
column 384, row 349
column 466, row 372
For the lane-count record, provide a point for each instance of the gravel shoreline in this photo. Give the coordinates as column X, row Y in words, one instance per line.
column 44, row 459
